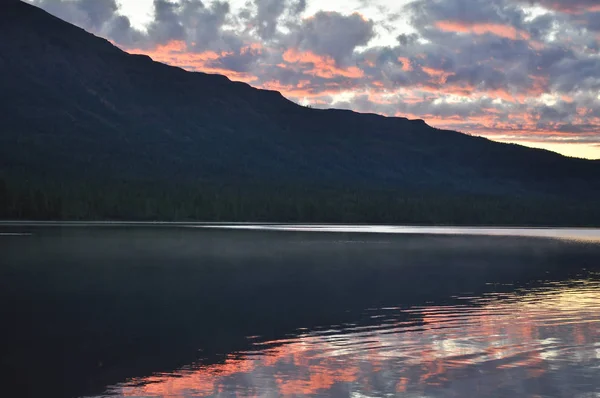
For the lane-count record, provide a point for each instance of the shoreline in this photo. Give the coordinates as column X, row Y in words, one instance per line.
column 570, row 233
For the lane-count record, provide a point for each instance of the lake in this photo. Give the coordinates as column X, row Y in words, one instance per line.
column 198, row 310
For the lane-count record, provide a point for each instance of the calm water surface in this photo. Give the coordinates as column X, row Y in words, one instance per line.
column 189, row 311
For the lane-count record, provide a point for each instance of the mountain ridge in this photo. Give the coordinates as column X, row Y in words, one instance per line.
column 77, row 108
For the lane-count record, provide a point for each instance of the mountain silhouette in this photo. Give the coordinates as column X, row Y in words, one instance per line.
column 76, row 108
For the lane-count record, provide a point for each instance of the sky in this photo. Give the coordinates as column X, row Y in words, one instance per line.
column 524, row 71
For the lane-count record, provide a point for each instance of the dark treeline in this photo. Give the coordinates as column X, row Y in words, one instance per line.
column 21, row 200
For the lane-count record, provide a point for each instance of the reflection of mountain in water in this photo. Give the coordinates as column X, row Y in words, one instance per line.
column 112, row 304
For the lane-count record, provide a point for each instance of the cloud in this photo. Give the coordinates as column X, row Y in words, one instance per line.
column 98, row 12
column 333, row 34
column 89, row 14
column 567, row 6
column 97, row 16
column 267, row 16
column 467, row 12
column 166, row 26
column 119, row 30
column 200, row 26
column 322, row 66
column 500, row 30
column 264, row 17
column 407, row 39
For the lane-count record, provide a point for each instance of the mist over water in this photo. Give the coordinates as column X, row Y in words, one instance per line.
column 182, row 312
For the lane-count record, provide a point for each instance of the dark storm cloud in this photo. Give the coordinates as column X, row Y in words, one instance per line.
column 191, row 21
column 204, row 25
column 98, row 11
column 265, row 16
column 593, row 21
column 166, row 25
column 298, row 7
column 187, row 20
column 119, row 30
column 333, row 34
column 574, row 73
column 89, row 14
column 100, row 17
column 243, row 61
column 467, row 11
column 407, row 39
column 559, row 112
column 485, row 77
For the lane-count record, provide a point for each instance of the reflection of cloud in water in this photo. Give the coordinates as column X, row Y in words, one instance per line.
column 540, row 342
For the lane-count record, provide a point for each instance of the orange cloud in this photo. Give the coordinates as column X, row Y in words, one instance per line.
column 439, row 76
column 177, row 53
column 322, row 66
column 301, row 90
column 406, row 64
column 252, row 48
column 506, row 31
column 438, row 85
column 459, row 89
column 378, row 98
column 453, row 122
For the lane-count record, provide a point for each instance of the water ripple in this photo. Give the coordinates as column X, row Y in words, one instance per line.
column 531, row 343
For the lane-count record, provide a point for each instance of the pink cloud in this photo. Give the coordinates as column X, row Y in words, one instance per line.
column 506, row 31
column 439, row 76
column 321, row 66
column 406, row 64
column 177, row 53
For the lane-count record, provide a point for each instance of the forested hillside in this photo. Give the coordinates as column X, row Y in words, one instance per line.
column 89, row 131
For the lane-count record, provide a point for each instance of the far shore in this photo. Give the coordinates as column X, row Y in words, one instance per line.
column 570, row 233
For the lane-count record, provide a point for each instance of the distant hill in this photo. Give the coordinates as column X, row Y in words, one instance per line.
column 75, row 108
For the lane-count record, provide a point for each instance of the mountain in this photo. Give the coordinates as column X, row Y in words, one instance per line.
column 76, row 108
